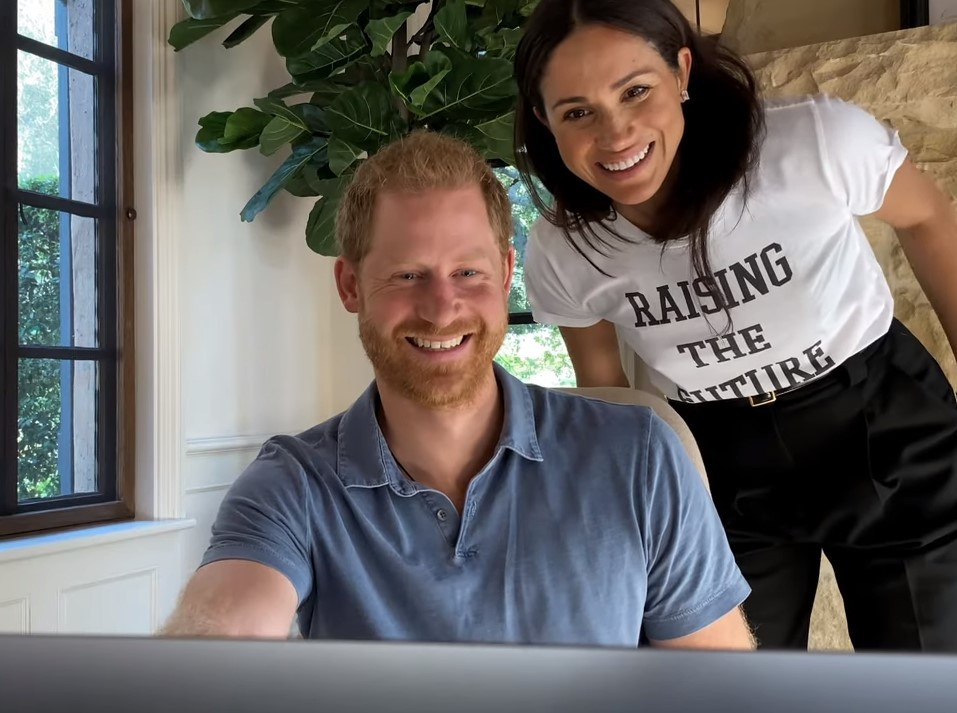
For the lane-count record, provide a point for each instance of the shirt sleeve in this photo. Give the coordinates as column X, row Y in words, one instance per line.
column 692, row 577
column 546, row 287
column 263, row 519
column 861, row 154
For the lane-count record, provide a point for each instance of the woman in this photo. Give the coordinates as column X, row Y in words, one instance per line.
column 718, row 234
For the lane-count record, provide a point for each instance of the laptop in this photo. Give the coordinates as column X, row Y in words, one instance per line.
column 54, row 673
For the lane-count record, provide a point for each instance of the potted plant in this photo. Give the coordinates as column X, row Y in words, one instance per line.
column 359, row 78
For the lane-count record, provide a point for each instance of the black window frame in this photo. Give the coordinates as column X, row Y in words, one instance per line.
column 111, row 66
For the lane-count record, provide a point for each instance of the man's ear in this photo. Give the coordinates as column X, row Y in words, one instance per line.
column 509, row 270
column 347, row 282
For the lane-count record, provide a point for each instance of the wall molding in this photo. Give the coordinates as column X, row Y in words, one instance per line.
column 166, row 148
column 23, row 606
column 225, row 444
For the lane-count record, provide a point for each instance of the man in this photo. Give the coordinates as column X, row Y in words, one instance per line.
column 451, row 502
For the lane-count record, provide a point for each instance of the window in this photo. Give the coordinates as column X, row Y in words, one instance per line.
column 533, row 352
column 65, row 266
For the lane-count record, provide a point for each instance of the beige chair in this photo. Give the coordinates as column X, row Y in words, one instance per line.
column 828, row 624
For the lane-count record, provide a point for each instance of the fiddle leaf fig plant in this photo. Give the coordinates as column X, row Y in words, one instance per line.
column 362, row 73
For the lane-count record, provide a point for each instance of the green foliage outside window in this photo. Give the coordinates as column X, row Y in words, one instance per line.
column 38, row 380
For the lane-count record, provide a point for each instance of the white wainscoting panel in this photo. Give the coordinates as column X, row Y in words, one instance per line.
column 15, row 616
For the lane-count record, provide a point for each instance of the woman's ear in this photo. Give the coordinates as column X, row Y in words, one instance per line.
column 684, row 68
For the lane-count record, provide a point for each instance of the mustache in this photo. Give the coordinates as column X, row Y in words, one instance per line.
column 422, row 329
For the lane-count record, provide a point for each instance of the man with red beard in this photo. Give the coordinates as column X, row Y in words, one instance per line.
column 452, row 502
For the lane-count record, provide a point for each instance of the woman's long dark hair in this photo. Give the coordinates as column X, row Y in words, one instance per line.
column 724, row 124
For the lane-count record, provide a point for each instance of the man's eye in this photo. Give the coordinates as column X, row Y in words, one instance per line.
column 576, row 114
column 469, row 273
column 408, row 276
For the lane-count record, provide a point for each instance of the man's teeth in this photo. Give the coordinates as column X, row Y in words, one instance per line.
column 625, row 165
column 448, row 344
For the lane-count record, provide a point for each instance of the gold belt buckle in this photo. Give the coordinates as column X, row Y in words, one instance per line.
column 763, row 399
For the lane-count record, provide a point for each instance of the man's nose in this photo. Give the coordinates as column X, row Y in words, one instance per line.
column 439, row 303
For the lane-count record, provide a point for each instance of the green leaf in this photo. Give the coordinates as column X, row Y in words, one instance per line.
column 332, row 56
column 342, row 154
column 321, row 226
column 382, row 31
column 503, row 43
column 186, row 32
column 474, row 88
column 420, row 95
column 206, row 9
column 527, row 7
column 418, row 74
column 363, row 116
column 244, row 127
column 305, row 183
column 277, row 107
column 313, row 116
column 302, row 29
column 277, row 134
column 451, row 23
column 209, row 138
column 299, row 157
column 245, row 31
column 493, row 138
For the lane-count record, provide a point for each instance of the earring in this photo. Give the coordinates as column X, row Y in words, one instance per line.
column 684, row 95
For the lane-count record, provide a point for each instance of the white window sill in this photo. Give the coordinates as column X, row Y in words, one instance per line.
column 53, row 543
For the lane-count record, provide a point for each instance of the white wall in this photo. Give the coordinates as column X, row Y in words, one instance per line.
column 943, row 11
column 240, row 335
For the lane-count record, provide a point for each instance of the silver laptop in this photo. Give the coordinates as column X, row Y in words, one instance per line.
column 138, row 675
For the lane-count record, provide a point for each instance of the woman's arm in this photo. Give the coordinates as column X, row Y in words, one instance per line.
column 595, row 355
column 926, row 226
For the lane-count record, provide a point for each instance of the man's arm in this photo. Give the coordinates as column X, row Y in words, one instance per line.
column 234, row 598
column 729, row 632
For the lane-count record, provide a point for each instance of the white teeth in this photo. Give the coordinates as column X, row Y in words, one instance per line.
column 625, row 165
column 448, row 344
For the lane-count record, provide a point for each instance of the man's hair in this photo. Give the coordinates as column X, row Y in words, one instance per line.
column 421, row 161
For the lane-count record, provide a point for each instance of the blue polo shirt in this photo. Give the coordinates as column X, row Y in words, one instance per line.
column 588, row 526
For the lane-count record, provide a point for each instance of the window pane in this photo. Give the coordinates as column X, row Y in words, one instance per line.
column 56, row 439
column 536, row 354
column 67, row 24
column 56, row 129
column 57, row 271
column 524, row 215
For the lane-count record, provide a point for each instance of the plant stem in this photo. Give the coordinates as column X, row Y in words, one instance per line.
column 423, row 38
column 400, row 61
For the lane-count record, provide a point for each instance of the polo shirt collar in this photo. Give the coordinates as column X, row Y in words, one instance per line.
column 364, row 457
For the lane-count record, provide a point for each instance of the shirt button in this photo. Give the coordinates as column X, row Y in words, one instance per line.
column 442, row 515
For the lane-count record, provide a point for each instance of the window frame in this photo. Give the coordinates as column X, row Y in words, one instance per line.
column 112, row 67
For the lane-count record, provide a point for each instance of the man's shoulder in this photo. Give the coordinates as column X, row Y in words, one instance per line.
column 313, row 451
column 601, row 415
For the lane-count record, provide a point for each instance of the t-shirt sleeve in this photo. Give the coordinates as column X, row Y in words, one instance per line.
column 263, row 518
column 545, row 285
column 692, row 577
column 861, row 154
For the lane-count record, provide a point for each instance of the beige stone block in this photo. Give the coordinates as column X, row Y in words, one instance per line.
column 907, row 78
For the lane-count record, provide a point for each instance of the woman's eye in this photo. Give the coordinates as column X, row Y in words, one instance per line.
column 576, row 114
column 636, row 92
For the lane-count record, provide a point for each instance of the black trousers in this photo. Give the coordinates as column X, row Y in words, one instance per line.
column 861, row 464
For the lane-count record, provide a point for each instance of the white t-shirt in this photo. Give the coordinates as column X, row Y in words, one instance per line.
column 804, row 288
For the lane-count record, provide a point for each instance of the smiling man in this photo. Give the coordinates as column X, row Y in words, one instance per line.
column 452, row 502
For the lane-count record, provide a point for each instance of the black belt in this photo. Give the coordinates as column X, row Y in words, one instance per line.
column 849, row 372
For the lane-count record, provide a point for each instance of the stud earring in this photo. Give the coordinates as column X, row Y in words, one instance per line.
column 684, row 96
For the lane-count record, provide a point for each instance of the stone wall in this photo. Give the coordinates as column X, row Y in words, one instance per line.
column 908, row 79
column 763, row 25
